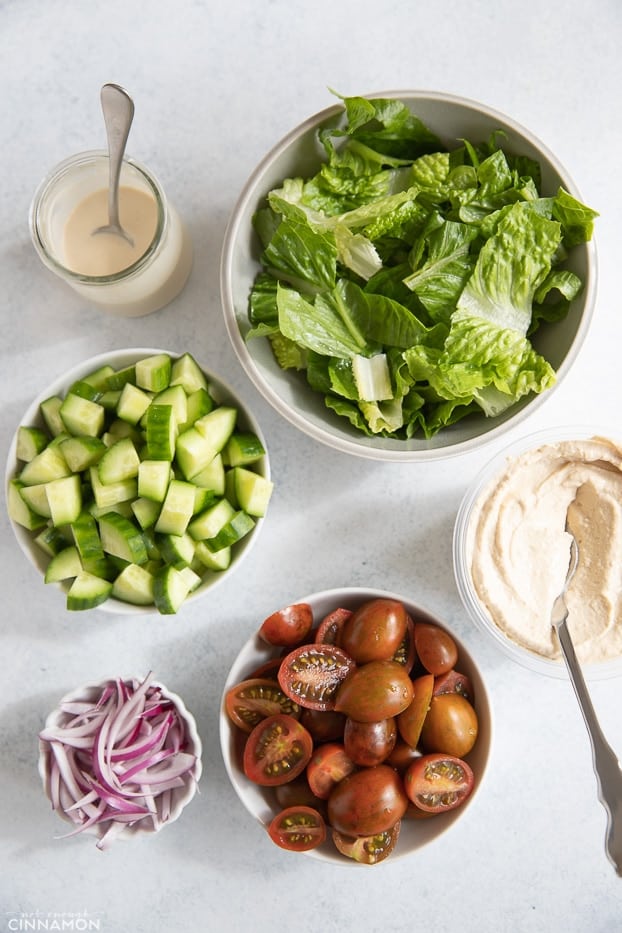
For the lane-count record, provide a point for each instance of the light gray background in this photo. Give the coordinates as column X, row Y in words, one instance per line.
column 216, row 85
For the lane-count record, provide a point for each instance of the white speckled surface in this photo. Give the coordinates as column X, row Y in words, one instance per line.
column 216, row 85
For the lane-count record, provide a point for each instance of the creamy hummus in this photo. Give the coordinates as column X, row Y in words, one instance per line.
column 519, row 550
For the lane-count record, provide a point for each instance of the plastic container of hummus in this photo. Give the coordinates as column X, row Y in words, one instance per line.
column 121, row 278
column 511, row 548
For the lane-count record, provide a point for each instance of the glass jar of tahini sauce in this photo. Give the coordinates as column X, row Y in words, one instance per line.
column 119, row 277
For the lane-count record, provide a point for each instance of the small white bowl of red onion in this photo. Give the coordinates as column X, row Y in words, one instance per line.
column 120, row 758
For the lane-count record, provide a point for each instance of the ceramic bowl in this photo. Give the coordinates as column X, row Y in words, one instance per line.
column 260, row 802
column 169, row 804
column 299, row 154
column 120, row 359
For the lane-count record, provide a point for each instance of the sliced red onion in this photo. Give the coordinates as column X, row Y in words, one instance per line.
column 116, row 761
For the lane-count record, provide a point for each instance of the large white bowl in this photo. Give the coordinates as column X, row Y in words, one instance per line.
column 180, row 796
column 299, row 155
column 260, row 801
column 119, row 359
column 464, row 548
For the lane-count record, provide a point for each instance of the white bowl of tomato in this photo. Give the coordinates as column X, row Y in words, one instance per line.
column 355, row 726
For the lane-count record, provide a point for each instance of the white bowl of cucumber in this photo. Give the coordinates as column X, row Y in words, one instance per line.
column 136, row 481
column 369, row 275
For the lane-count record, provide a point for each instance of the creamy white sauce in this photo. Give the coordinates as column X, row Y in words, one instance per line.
column 103, row 254
column 520, row 549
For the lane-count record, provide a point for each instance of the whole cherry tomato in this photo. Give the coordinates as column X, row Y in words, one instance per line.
column 374, row 631
column 450, row 726
column 369, row 743
column 289, row 626
column 367, row 802
column 436, row 649
column 375, row 691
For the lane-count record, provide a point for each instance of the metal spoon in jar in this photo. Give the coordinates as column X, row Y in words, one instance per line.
column 118, row 110
column 605, row 761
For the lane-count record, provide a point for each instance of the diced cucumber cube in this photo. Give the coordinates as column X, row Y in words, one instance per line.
column 64, row 565
column 192, row 579
column 81, row 416
column 177, row 399
column 145, row 511
column 44, row 467
column 85, row 390
column 154, row 372
column 213, row 560
column 82, row 452
column 133, row 403
column 209, row 523
column 36, row 498
column 193, row 452
column 99, row 377
column 169, row 590
column 203, row 498
column 51, row 540
column 30, row 442
column 50, row 411
column 199, row 403
column 153, row 479
column 119, row 428
column 19, row 510
column 110, row 399
column 177, row 508
column 123, row 508
column 212, row 476
column 161, row 432
column 252, row 491
column 87, row 591
column 86, row 536
column 107, row 495
column 64, row 499
column 217, row 426
column 243, row 448
column 121, row 538
column 119, row 463
column 236, row 528
column 177, row 550
column 134, row 585
column 186, row 372
column 116, row 380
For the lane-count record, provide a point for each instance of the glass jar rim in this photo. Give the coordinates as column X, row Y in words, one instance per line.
column 62, row 169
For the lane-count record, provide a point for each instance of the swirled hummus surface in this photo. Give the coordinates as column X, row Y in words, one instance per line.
column 519, row 547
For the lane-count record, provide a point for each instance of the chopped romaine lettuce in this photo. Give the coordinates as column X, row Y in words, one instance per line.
column 406, row 281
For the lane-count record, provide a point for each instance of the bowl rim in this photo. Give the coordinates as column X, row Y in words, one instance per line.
column 430, row 831
column 356, row 446
column 601, row 670
column 125, row 355
column 191, row 780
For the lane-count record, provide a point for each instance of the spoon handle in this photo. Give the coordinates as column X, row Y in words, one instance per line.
column 605, row 761
column 118, row 110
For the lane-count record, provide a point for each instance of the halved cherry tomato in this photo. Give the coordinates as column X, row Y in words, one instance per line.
column 436, row 649
column 325, row 725
column 289, row 626
column 374, row 631
column 277, row 750
column 367, row 802
column 438, row 782
column 368, row 849
column 454, row 682
column 451, row 725
column 329, row 764
column 298, row 829
column 252, row 700
column 374, row 691
column 329, row 629
column 311, row 674
column 369, row 743
column 410, row 721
